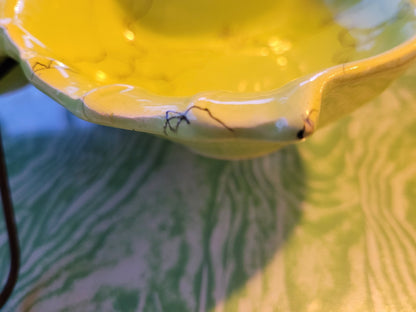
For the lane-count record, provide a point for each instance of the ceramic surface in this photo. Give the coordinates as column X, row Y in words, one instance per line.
column 227, row 83
column 112, row 220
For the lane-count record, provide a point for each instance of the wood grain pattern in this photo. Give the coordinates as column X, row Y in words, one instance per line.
column 111, row 220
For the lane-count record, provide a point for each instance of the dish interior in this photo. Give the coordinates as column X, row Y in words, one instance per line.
column 181, row 47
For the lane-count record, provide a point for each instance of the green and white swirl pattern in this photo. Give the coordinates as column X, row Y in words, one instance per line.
column 111, row 220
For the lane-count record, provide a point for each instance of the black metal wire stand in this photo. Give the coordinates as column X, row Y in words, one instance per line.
column 11, row 231
column 8, row 214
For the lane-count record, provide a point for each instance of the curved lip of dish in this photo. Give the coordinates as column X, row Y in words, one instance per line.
column 143, row 111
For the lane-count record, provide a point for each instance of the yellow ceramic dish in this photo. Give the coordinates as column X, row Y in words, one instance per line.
column 227, row 78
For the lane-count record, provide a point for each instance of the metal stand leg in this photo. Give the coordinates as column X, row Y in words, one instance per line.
column 10, row 225
column 6, row 66
column 11, row 230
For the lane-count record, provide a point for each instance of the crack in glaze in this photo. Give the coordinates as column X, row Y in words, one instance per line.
column 179, row 116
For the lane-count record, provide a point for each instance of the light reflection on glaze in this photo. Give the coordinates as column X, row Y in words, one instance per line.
column 279, row 46
column 281, row 123
column 62, row 71
column 129, row 35
column 18, row 8
column 100, row 75
column 247, row 101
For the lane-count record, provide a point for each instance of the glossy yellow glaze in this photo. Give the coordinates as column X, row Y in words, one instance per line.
column 180, row 48
column 238, row 75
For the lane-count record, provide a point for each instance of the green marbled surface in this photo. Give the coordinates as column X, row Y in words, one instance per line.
column 111, row 220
